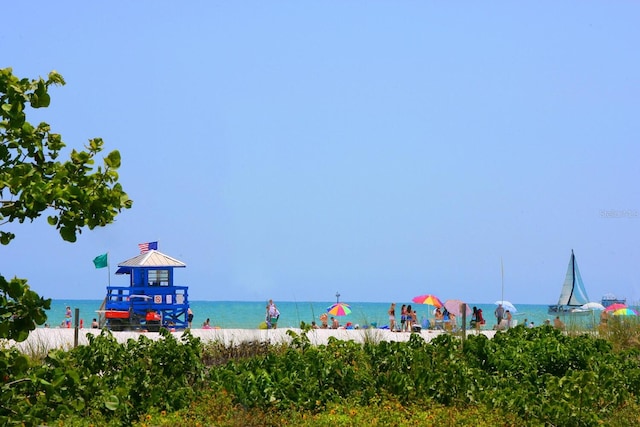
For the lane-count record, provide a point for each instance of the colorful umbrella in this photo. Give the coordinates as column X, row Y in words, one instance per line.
column 625, row 312
column 428, row 300
column 455, row 306
column 339, row 309
column 616, row 306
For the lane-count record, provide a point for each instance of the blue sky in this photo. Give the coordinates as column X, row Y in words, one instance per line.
column 289, row 150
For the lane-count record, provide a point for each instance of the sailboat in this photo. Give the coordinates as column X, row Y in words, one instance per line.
column 573, row 294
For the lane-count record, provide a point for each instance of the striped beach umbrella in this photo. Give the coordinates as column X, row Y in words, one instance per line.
column 428, row 299
column 339, row 309
column 616, row 306
column 625, row 312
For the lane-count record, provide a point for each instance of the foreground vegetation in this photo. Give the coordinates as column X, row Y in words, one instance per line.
column 521, row 377
column 536, row 376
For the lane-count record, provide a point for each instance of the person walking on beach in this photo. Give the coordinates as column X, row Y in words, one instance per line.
column 392, row 317
column 499, row 313
column 403, row 316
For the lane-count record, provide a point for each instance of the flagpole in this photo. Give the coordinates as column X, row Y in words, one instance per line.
column 108, row 270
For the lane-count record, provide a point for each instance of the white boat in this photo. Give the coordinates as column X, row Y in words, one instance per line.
column 573, row 294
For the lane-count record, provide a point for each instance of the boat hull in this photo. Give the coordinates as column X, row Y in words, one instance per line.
column 567, row 310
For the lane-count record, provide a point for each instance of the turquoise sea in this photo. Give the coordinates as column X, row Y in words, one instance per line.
column 249, row 314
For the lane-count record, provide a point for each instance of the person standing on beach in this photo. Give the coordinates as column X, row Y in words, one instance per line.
column 474, row 317
column 267, row 316
column 408, row 319
column 392, row 317
column 499, row 313
column 480, row 319
column 403, row 316
column 189, row 317
column 67, row 317
column 274, row 314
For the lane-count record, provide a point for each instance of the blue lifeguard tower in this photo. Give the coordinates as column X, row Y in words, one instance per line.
column 151, row 300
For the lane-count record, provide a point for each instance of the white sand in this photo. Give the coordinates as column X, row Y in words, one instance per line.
column 45, row 339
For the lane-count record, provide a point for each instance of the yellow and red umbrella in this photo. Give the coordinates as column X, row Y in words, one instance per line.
column 339, row 309
column 428, row 299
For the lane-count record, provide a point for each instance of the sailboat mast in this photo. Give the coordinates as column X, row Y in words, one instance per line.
column 502, row 275
column 573, row 276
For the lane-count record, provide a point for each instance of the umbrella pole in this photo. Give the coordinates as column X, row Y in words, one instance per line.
column 464, row 321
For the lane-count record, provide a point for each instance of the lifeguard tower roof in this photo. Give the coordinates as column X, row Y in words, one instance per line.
column 153, row 258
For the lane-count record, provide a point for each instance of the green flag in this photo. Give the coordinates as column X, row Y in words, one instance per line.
column 100, row 261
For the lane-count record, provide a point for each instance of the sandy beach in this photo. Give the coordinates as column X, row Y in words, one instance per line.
column 45, row 339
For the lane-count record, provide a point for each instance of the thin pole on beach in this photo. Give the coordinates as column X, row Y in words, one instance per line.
column 502, row 275
column 75, row 332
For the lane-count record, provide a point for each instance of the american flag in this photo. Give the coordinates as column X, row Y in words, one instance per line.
column 146, row 247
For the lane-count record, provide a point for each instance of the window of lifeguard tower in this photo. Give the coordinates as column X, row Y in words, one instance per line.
column 158, row 278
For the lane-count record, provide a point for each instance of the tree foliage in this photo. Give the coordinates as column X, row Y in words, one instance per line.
column 74, row 193
column 32, row 178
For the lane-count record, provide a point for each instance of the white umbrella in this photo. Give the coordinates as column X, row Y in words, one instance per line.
column 507, row 305
column 592, row 306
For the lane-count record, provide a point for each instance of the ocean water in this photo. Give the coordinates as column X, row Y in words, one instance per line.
column 249, row 314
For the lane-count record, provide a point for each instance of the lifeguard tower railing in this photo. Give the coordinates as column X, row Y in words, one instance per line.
column 172, row 302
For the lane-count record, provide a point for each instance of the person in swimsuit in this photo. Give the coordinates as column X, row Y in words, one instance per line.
column 408, row 323
column 403, row 316
column 324, row 321
column 392, row 316
column 67, row 317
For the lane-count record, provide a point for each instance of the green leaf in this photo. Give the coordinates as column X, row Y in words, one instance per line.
column 113, row 159
column 21, row 362
column 112, row 403
column 68, row 234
